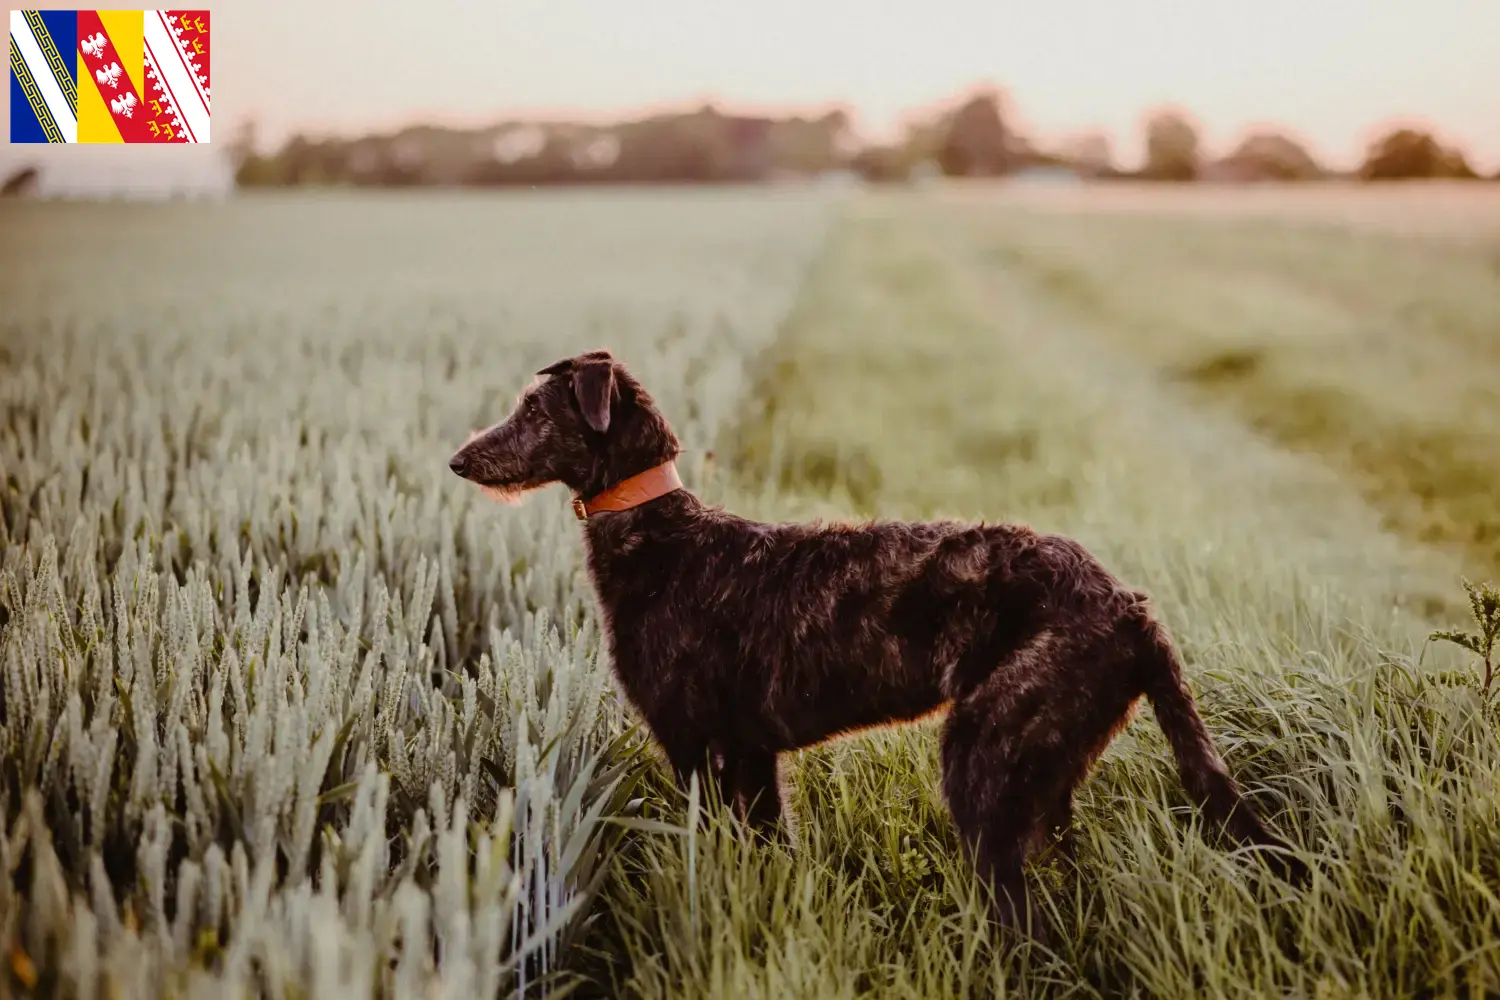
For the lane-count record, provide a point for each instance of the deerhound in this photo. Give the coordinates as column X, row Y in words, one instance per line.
column 738, row 640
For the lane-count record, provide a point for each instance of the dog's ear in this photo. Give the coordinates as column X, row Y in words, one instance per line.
column 594, row 385
column 567, row 365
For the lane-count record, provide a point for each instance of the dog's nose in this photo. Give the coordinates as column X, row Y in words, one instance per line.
column 459, row 464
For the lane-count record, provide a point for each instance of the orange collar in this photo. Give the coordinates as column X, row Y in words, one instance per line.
column 627, row 493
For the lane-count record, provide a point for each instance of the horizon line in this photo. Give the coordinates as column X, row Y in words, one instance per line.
column 860, row 123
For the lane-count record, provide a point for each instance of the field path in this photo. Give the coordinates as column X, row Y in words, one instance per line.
column 1373, row 354
column 1302, row 510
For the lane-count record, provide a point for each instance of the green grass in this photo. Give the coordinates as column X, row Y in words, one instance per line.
column 917, row 379
column 256, row 644
column 1377, row 353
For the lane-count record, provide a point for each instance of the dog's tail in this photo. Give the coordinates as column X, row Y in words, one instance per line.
column 1202, row 770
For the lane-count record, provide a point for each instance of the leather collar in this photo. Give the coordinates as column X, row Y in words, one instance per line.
column 627, row 493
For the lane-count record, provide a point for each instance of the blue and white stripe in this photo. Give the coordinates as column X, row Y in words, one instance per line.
column 53, row 93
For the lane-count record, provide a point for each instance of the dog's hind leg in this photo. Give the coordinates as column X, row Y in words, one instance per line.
column 989, row 793
column 1015, row 747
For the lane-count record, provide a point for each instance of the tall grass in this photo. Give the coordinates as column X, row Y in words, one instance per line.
column 917, row 379
column 283, row 707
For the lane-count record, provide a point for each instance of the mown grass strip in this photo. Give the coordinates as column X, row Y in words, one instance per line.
column 1378, row 353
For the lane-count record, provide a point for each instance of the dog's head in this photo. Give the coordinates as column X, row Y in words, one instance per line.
column 583, row 421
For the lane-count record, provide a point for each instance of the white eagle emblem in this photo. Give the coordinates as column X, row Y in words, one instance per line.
column 109, row 74
column 94, row 45
column 124, row 105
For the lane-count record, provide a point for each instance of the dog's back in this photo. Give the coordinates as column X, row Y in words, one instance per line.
column 804, row 631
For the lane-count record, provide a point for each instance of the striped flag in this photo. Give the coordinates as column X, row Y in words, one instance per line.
column 109, row 76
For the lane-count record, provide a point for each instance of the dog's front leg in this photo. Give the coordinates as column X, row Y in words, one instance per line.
column 743, row 779
column 752, row 789
column 688, row 753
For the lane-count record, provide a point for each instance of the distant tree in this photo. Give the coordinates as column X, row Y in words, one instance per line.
column 1273, row 156
column 1089, row 154
column 596, row 152
column 695, row 147
column 807, row 145
column 527, row 155
column 302, row 161
column 1402, row 154
column 1456, row 166
column 803, row 145
column 1021, row 152
column 1171, row 147
column 20, row 182
column 975, row 144
column 552, row 164
column 1408, row 153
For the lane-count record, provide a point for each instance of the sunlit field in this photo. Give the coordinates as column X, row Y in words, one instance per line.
column 286, row 708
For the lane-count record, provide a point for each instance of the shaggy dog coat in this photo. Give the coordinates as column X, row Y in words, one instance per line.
column 738, row 640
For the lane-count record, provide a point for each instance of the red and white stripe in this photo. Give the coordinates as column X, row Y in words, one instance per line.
column 173, row 79
column 131, row 120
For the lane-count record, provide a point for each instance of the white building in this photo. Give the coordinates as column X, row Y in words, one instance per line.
column 123, row 171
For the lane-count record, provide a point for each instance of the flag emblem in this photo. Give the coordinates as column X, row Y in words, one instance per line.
column 100, row 76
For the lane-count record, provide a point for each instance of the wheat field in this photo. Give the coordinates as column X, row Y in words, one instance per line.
column 287, row 711
column 281, row 702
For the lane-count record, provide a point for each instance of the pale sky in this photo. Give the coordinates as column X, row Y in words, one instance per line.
column 1331, row 71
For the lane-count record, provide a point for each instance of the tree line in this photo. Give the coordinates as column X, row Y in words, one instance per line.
column 969, row 138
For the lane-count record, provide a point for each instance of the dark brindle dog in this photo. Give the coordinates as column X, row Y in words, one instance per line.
column 738, row 640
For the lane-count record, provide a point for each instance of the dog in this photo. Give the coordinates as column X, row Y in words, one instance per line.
column 738, row 641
